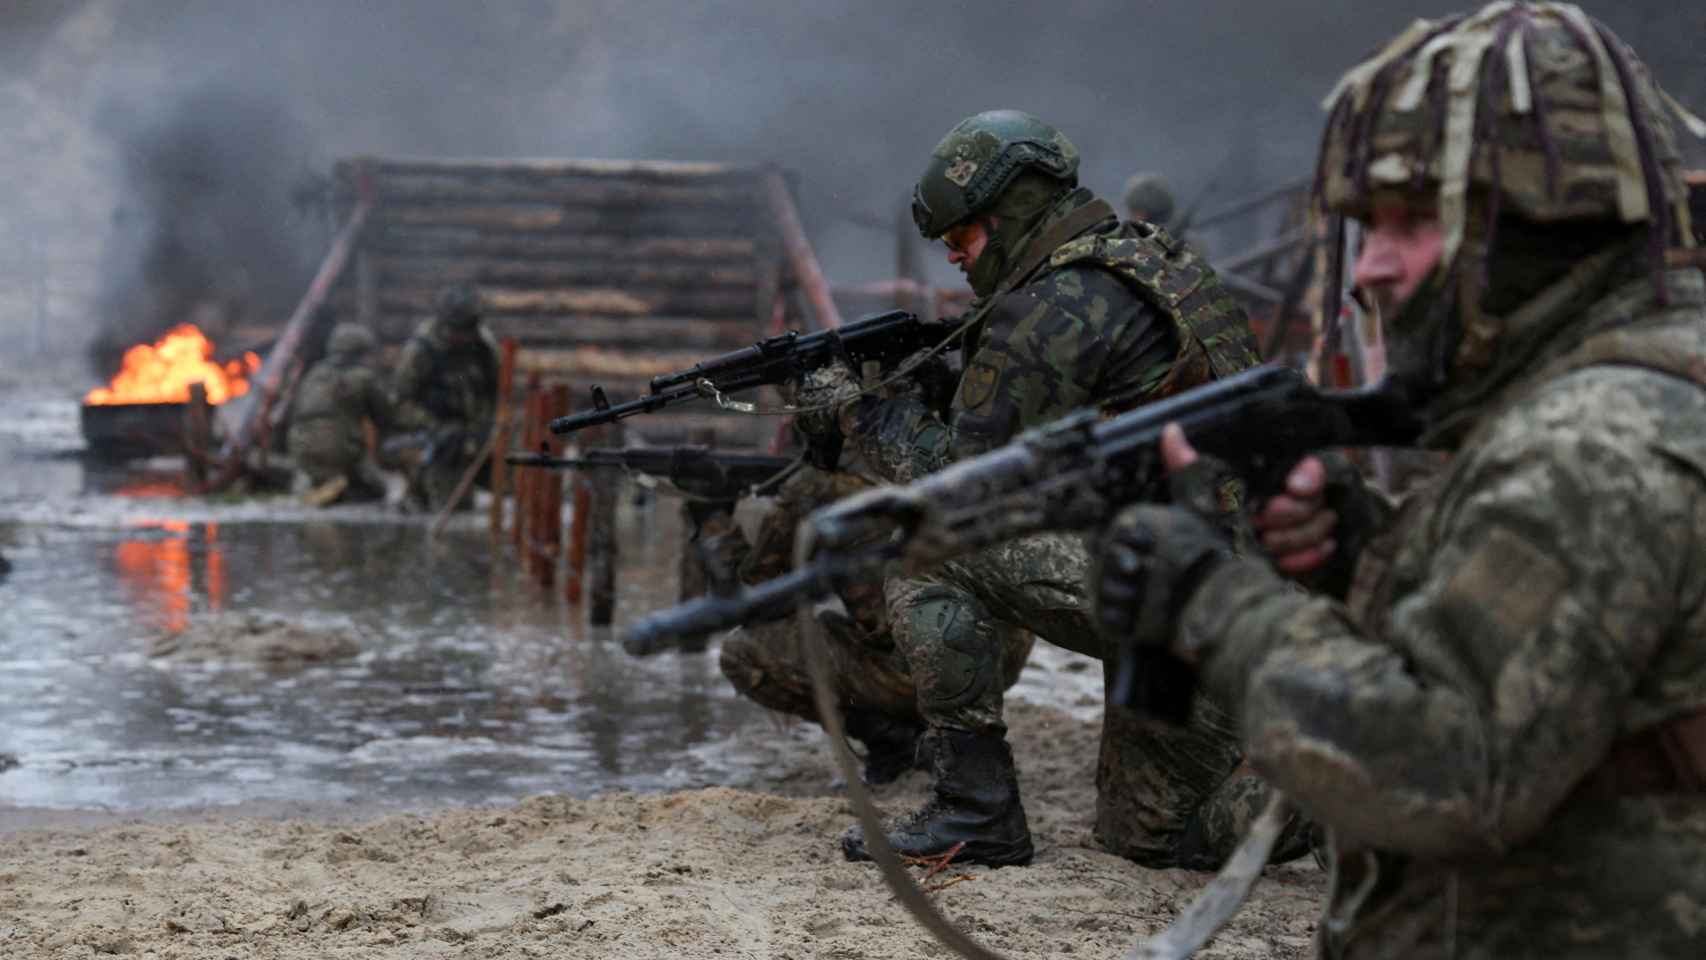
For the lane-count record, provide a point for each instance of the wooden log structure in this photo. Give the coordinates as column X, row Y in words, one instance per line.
column 603, row 272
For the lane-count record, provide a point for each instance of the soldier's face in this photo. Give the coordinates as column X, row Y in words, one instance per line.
column 1400, row 249
column 966, row 242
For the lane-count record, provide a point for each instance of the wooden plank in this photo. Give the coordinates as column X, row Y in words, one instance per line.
column 603, row 272
column 703, row 335
column 428, row 189
column 611, row 301
column 658, row 171
column 249, row 414
column 547, row 218
column 706, row 334
column 464, row 242
column 597, row 363
column 798, row 249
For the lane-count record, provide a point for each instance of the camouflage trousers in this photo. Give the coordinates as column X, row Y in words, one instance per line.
column 1166, row 797
column 766, row 662
column 325, row 449
column 432, row 484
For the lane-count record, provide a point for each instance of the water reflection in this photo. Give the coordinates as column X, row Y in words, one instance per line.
column 467, row 684
column 171, row 566
column 470, row 684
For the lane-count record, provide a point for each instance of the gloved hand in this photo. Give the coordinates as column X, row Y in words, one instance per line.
column 1150, row 561
column 823, row 395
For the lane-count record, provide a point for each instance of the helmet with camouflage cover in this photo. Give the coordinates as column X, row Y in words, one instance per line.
column 979, row 159
column 350, row 340
column 459, row 305
column 1519, row 119
column 1148, row 194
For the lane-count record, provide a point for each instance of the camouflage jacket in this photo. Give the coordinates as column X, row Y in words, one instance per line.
column 1094, row 312
column 446, row 381
column 329, row 406
column 1528, row 623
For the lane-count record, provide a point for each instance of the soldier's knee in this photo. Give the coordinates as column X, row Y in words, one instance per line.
column 950, row 642
column 747, row 663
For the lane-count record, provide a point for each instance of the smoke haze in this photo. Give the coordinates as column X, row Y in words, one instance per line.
column 162, row 144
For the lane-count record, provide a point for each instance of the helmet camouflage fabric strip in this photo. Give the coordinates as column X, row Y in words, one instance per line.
column 1536, row 104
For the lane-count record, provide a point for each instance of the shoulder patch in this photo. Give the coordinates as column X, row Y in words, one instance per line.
column 977, row 386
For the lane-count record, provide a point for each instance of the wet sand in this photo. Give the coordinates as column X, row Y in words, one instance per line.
column 697, row 873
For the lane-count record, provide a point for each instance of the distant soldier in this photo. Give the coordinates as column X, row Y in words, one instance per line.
column 446, row 392
column 328, row 441
column 1148, row 198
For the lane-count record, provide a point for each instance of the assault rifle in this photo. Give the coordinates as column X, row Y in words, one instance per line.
column 700, row 471
column 1072, row 474
column 883, row 337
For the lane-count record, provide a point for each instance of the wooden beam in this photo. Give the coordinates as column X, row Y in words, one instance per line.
column 624, row 195
column 699, row 334
column 657, row 170
column 597, row 362
column 248, row 419
column 799, row 252
column 601, row 272
column 464, row 241
column 557, row 218
column 613, row 301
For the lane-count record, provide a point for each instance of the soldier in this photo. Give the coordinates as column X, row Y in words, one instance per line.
column 446, row 391
column 1503, row 724
column 1149, row 198
column 327, row 439
column 766, row 663
column 1074, row 309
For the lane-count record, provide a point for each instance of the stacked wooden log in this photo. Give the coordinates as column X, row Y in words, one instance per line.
column 604, row 272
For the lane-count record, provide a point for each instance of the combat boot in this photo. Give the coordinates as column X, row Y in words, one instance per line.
column 975, row 799
column 891, row 744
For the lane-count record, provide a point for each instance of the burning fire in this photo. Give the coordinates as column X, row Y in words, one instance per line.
column 162, row 372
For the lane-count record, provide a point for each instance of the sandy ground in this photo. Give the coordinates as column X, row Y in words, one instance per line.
column 703, row 873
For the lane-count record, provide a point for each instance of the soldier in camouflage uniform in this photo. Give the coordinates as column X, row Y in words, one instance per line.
column 766, row 662
column 446, row 392
column 1074, row 309
column 1503, row 723
column 1148, row 197
column 327, row 441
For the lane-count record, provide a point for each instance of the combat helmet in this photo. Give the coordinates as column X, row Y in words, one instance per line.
column 350, row 340
column 1519, row 113
column 459, row 305
column 979, row 159
column 1150, row 193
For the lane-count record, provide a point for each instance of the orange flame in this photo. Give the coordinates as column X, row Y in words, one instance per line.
column 163, row 372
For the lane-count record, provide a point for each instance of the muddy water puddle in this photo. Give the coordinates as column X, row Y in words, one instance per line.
column 160, row 651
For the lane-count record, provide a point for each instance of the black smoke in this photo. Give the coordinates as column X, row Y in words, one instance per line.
column 1221, row 95
column 211, row 228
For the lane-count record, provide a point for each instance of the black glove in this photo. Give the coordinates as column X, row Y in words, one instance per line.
column 1151, row 560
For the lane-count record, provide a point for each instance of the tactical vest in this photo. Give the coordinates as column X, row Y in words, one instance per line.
column 1215, row 339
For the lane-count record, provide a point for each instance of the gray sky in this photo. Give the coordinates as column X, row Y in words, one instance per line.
column 850, row 94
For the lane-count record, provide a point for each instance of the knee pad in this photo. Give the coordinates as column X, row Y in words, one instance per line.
column 950, row 642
